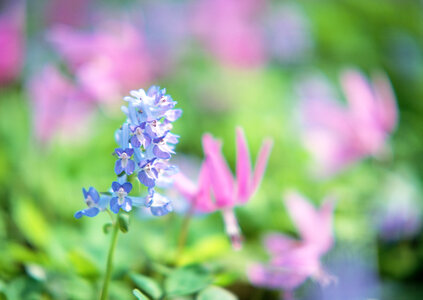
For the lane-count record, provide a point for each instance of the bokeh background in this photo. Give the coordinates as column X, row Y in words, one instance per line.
column 64, row 68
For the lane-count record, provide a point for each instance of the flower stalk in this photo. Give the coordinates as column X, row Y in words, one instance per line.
column 109, row 266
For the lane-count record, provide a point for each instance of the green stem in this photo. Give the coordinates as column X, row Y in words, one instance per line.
column 184, row 233
column 109, row 267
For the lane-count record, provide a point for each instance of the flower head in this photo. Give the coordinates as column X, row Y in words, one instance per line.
column 145, row 147
column 120, row 197
column 92, row 199
column 293, row 261
column 124, row 163
column 217, row 180
column 337, row 136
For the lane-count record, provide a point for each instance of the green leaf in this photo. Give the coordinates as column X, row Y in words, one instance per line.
column 123, row 221
column 215, row 293
column 187, row 280
column 147, row 285
column 140, row 296
column 107, row 227
column 31, row 222
column 83, row 265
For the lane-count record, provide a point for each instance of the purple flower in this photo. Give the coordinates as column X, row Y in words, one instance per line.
column 149, row 173
column 92, row 199
column 146, row 138
column 158, row 204
column 140, row 138
column 121, row 199
column 124, row 163
column 161, row 149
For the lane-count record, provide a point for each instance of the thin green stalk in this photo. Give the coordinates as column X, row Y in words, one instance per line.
column 184, row 233
column 109, row 267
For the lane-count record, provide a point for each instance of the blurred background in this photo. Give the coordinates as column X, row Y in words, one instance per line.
column 65, row 66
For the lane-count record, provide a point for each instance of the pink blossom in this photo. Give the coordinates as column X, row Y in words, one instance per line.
column 12, row 42
column 217, row 188
column 338, row 136
column 58, row 106
column 107, row 62
column 230, row 31
column 293, row 261
column 73, row 13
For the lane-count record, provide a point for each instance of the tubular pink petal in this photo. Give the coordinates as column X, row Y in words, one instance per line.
column 277, row 243
column 184, row 186
column 243, row 166
column 204, row 202
column 386, row 102
column 221, row 178
column 303, row 214
column 359, row 95
column 261, row 164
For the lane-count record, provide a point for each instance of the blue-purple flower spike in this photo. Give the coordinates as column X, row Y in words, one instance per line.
column 145, row 147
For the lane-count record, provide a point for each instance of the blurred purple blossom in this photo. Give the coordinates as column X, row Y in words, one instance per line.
column 293, row 261
column 216, row 179
column 230, row 30
column 338, row 136
column 399, row 211
column 288, row 33
column 12, row 41
column 107, row 61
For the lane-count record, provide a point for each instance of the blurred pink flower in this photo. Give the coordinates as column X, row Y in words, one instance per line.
column 293, row 261
column 337, row 135
column 107, row 62
column 230, row 31
column 216, row 179
column 12, row 42
column 73, row 13
column 58, row 106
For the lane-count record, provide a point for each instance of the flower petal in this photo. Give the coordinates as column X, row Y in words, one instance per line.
column 118, row 167
column 220, row 175
column 145, row 180
column 130, row 167
column 127, row 204
column 159, row 153
column 94, row 194
column 127, row 187
column 115, row 186
column 135, row 142
column 243, row 166
column 261, row 164
column 114, row 205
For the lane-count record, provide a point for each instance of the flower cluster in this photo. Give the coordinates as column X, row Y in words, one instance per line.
column 145, row 147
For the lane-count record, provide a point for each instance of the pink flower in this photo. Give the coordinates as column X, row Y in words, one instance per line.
column 58, row 106
column 229, row 30
column 73, row 13
column 338, row 136
column 293, row 261
column 12, row 43
column 217, row 188
column 107, row 62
